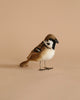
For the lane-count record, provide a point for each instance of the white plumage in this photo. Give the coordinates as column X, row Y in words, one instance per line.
column 48, row 54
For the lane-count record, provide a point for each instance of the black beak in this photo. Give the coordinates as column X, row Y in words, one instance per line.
column 56, row 41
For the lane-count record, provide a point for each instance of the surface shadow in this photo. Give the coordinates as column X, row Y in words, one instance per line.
column 10, row 66
column 14, row 66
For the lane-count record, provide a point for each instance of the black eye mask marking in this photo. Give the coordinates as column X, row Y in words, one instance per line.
column 48, row 43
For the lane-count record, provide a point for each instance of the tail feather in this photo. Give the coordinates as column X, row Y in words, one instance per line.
column 24, row 63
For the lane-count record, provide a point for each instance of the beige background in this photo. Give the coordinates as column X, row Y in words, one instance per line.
column 23, row 25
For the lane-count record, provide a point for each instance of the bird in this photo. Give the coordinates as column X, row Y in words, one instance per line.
column 43, row 52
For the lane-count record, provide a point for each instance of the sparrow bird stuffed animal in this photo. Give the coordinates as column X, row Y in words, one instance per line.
column 43, row 52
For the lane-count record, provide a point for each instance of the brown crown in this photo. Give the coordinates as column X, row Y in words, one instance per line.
column 50, row 36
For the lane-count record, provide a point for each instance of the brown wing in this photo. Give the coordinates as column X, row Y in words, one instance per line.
column 35, row 53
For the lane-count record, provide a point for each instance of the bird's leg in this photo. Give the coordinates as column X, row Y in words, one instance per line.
column 41, row 69
column 45, row 65
column 47, row 68
column 40, row 64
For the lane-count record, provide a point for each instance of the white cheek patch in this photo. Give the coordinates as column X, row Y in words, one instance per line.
column 51, row 43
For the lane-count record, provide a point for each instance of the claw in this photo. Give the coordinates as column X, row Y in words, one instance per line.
column 48, row 68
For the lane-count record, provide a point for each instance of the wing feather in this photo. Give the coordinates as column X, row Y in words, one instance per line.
column 35, row 53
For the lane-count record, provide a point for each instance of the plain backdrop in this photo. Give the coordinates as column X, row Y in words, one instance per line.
column 25, row 23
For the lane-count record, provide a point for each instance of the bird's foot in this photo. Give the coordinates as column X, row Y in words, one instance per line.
column 45, row 68
column 48, row 68
column 41, row 69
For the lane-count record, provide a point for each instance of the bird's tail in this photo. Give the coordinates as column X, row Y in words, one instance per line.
column 24, row 63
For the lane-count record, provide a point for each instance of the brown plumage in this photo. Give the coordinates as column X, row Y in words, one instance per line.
column 37, row 53
column 50, row 36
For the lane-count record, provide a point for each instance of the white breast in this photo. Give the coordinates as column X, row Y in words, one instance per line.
column 48, row 54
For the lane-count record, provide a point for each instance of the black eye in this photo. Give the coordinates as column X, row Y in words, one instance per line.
column 48, row 43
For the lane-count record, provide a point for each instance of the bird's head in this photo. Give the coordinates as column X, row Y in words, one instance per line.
column 50, row 41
